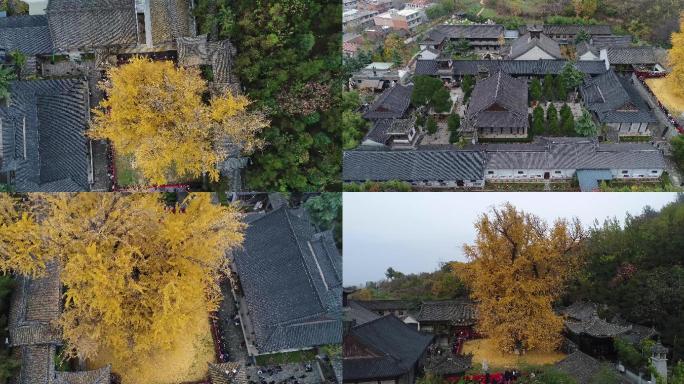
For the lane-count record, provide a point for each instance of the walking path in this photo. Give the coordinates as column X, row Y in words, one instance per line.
column 481, row 9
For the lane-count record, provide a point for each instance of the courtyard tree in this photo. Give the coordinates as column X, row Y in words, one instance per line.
column 567, row 121
column 20, row 239
column 548, row 87
column 467, row 85
column 535, row 90
column 431, row 92
column 571, row 77
column 675, row 58
column 538, row 120
column 552, row 120
column 559, row 88
column 585, row 126
column 454, row 122
column 135, row 269
column 431, row 125
column 354, row 126
column 6, row 75
column 520, row 266
column 154, row 113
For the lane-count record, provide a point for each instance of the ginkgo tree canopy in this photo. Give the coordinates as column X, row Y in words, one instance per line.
column 132, row 266
column 156, row 114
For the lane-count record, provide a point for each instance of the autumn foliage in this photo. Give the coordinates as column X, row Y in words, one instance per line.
column 518, row 267
column 19, row 239
column 132, row 266
column 676, row 60
column 154, row 112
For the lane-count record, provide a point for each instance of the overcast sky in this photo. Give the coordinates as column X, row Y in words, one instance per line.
column 414, row 232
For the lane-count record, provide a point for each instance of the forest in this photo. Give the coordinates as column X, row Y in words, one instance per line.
column 288, row 62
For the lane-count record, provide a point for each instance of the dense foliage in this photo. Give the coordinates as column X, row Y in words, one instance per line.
column 354, row 126
column 326, row 212
column 638, row 271
column 438, row 285
column 430, row 92
column 289, row 63
column 377, row 186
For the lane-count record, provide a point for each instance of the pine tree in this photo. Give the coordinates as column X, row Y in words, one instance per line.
column 561, row 92
column 548, row 88
column 552, row 120
column 538, row 120
column 535, row 90
column 567, row 121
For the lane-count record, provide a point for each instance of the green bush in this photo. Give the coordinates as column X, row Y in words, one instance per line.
column 454, row 122
column 431, row 125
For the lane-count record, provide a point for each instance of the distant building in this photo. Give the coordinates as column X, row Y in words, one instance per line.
column 628, row 59
column 383, row 350
column 356, row 20
column 379, row 76
column 566, row 34
column 481, row 37
column 290, row 281
column 375, row 5
column 398, row 308
column 497, row 108
column 405, row 19
column 393, row 103
column 534, row 45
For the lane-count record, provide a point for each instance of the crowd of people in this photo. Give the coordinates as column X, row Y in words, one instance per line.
column 672, row 119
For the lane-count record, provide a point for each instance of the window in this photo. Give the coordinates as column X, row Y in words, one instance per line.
column 490, row 172
column 557, row 172
column 520, row 172
column 654, row 171
column 623, row 172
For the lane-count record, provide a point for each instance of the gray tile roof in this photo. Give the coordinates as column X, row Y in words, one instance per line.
column 76, row 24
column 391, row 104
column 291, row 278
column 448, row 364
column 580, row 366
column 448, row 165
column 631, row 55
column 615, row 100
column 583, row 318
column 454, row 312
column 474, row 31
column 526, row 42
column 584, row 47
column 97, row 376
column 385, row 129
column 382, row 348
column 55, row 114
column 498, row 101
column 611, row 41
column 388, row 305
column 28, row 34
column 572, row 29
column 524, row 67
column 356, row 313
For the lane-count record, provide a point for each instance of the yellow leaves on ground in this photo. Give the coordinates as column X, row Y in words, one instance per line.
column 186, row 361
column 20, row 241
column 667, row 94
column 675, row 79
column 487, row 350
column 519, row 267
column 138, row 274
column 154, row 113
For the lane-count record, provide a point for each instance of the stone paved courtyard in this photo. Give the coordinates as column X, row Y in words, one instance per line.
column 285, row 374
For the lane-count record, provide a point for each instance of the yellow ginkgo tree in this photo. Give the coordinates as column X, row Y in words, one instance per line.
column 20, row 239
column 675, row 78
column 519, row 266
column 157, row 115
column 132, row 267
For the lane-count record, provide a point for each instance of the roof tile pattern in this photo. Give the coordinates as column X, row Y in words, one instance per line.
column 526, row 42
column 391, row 104
column 43, row 135
column 498, row 101
column 455, row 312
column 27, row 34
column 614, row 100
column 291, row 278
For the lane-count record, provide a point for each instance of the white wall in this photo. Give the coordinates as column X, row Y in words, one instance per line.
column 588, row 56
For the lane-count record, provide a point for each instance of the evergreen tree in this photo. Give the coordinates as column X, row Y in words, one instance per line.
column 584, row 126
column 535, row 90
column 548, row 87
column 552, row 120
column 431, row 125
column 467, row 85
column 454, row 122
column 561, row 92
column 538, row 120
column 567, row 121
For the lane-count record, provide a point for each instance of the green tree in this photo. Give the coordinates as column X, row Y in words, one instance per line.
column 535, row 90
column 677, row 144
column 678, row 373
column 392, row 274
column 552, row 120
column 431, row 92
column 582, row 35
column 454, row 122
column 548, row 87
column 571, row 77
column 289, row 63
column 467, row 85
column 354, row 126
column 431, row 125
column 559, row 88
column 567, row 121
column 585, row 126
column 538, row 120
column 6, row 75
column 325, row 211
column 441, row 100
column 18, row 60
